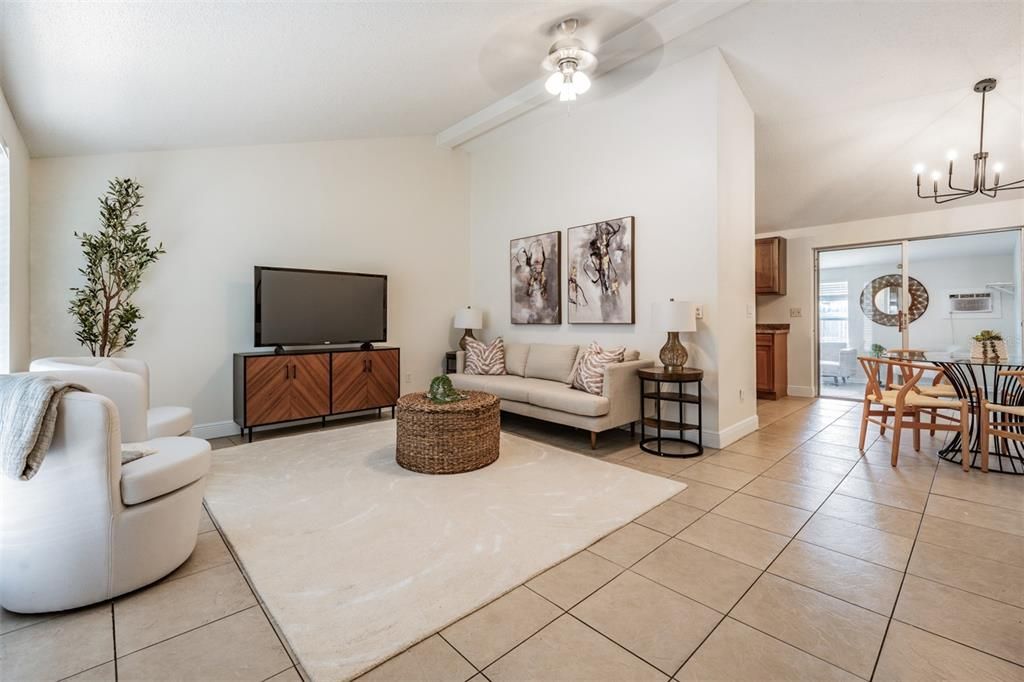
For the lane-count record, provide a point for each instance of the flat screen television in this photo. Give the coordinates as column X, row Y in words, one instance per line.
column 309, row 307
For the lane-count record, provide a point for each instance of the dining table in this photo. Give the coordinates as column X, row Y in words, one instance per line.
column 975, row 378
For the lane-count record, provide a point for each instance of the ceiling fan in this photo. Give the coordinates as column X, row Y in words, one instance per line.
column 568, row 60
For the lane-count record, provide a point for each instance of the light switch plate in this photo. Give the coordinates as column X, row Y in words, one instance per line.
column 796, row 312
column 699, row 310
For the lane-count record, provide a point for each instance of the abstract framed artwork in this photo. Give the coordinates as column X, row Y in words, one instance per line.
column 601, row 278
column 535, row 276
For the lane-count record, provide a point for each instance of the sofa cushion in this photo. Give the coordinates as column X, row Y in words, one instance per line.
column 551, row 361
column 485, row 358
column 515, row 358
column 505, row 386
column 176, row 463
column 557, row 396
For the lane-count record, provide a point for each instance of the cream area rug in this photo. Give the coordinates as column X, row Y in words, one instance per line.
column 357, row 558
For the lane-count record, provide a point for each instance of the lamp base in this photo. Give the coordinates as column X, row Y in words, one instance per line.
column 466, row 334
column 673, row 354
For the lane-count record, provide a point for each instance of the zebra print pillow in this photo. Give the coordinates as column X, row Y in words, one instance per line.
column 485, row 358
column 589, row 375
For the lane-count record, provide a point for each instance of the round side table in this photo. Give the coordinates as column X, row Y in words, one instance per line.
column 664, row 383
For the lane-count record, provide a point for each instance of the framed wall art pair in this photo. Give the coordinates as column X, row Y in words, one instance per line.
column 600, row 275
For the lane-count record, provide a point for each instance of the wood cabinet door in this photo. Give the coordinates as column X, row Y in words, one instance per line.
column 770, row 265
column 267, row 381
column 382, row 379
column 309, row 386
column 349, row 372
column 765, row 363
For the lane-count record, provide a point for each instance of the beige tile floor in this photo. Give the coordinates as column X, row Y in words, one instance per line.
column 790, row 556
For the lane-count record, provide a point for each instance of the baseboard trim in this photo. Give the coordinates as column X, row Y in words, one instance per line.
column 801, row 391
column 731, row 434
column 215, row 430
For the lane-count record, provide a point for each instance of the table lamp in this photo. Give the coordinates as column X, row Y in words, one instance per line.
column 468, row 319
column 673, row 317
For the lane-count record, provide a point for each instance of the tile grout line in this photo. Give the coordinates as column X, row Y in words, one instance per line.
column 256, row 595
column 903, row 579
column 756, row 580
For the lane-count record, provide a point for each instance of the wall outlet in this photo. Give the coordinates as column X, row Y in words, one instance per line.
column 408, row 377
column 796, row 312
column 750, row 311
column 741, row 395
column 699, row 311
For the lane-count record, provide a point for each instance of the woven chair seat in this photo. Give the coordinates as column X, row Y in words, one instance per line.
column 917, row 400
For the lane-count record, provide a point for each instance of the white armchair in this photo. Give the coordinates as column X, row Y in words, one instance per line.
column 160, row 421
column 85, row 528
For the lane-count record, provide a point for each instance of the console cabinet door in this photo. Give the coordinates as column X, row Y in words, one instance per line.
column 382, row 378
column 349, row 373
column 267, row 382
column 765, row 363
column 309, row 385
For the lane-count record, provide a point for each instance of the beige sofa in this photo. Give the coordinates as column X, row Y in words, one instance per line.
column 537, row 385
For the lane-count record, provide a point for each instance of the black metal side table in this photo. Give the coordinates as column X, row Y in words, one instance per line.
column 450, row 362
column 660, row 377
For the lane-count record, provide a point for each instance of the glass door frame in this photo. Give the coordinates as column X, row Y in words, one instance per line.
column 904, row 245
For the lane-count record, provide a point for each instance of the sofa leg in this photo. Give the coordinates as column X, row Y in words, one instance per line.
column 632, row 430
column 593, row 440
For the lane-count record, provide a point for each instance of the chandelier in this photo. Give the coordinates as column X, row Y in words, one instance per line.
column 980, row 185
column 567, row 59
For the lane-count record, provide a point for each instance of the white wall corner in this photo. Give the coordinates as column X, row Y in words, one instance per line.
column 726, row 437
column 801, row 391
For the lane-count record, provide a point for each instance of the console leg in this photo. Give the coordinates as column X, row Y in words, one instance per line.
column 392, row 411
column 323, row 422
column 241, row 433
column 250, row 434
column 378, row 413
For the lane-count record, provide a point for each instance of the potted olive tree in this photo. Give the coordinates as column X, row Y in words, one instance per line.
column 115, row 259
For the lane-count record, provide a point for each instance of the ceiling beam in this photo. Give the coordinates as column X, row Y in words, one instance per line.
column 668, row 23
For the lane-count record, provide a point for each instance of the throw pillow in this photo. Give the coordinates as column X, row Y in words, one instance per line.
column 589, row 375
column 485, row 358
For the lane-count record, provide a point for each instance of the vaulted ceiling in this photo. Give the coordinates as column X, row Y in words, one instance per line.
column 848, row 96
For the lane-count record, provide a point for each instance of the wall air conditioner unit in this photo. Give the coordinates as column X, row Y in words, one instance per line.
column 974, row 303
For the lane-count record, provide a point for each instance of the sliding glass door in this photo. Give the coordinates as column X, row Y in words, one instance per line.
column 972, row 283
column 851, row 281
column 931, row 295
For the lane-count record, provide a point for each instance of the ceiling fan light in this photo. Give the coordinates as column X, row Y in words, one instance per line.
column 553, row 84
column 580, row 82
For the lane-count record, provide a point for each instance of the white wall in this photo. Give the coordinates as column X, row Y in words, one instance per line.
column 802, row 242
column 670, row 143
column 15, row 309
column 394, row 206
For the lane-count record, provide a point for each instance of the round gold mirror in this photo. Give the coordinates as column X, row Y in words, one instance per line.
column 881, row 299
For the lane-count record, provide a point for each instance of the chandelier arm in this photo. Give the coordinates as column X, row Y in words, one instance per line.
column 1016, row 184
column 950, row 183
column 949, row 196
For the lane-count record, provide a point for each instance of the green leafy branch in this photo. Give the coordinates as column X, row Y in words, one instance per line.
column 115, row 259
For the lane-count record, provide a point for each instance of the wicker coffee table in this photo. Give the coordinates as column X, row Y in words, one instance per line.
column 449, row 438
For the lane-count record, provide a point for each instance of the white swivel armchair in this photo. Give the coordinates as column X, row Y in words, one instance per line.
column 85, row 528
column 160, row 421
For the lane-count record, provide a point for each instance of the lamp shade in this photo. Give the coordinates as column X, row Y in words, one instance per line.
column 675, row 316
column 468, row 318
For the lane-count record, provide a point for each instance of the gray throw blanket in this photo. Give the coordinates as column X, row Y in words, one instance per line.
column 28, row 415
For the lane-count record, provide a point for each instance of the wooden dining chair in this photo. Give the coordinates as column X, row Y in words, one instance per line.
column 999, row 427
column 907, row 404
column 940, row 386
